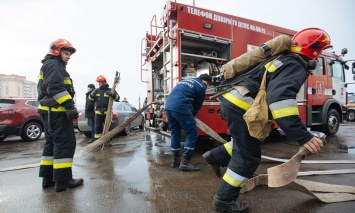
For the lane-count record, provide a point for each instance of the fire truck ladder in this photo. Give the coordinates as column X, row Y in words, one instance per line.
column 168, row 43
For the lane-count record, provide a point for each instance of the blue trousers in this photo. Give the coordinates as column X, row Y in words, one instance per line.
column 91, row 123
column 177, row 122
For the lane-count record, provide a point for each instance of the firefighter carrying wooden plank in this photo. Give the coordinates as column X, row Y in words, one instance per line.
column 101, row 97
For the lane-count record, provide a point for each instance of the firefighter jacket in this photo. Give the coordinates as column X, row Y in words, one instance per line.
column 89, row 107
column 187, row 97
column 285, row 78
column 54, row 83
column 101, row 97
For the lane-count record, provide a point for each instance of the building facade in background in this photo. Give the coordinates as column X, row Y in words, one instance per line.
column 15, row 86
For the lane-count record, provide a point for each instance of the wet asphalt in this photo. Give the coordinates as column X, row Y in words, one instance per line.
column 134, row 175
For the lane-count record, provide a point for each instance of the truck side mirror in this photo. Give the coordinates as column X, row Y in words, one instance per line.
column 353, row 67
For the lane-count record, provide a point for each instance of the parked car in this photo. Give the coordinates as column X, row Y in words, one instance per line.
column 121, row 111
column 19, row 116
column 351, row 114
column 350, row 108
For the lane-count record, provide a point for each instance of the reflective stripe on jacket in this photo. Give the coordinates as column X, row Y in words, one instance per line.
column 55, row 82
column 101, row 98
column 285, row 78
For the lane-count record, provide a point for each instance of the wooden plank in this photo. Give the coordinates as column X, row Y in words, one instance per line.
column 108, row 118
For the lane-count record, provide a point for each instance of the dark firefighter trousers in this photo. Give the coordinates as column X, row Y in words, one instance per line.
column 246, row 152
column 59, row 149
column 99, row 125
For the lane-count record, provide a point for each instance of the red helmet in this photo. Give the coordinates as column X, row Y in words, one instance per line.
column 57, row 45
column 310, row 42
column 101, row 78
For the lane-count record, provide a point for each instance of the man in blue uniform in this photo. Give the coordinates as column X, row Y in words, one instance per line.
column 285, row 77
column 55, row 93
column 183, row 103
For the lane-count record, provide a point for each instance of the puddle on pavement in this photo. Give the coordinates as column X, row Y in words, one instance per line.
column 155, row 146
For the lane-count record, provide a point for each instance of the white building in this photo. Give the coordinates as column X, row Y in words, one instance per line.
column 15, row 86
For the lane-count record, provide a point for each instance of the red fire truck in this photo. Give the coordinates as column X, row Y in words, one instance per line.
column 188, row 41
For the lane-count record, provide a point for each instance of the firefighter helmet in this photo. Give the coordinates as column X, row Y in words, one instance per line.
column 310, row 42
column 102, row 79
column 57, row 45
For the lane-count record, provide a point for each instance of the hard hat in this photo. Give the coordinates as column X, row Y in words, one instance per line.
column 310, row 42
column 102, row 79
column 57, row 45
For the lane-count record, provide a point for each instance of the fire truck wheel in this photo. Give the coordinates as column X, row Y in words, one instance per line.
column 351, row 115
column 332, row 122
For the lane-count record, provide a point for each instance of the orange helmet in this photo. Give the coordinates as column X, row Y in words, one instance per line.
column 57, row 45
column 310, row 42
column 101, row 78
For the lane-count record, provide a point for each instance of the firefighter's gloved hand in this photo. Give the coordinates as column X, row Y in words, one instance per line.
column 227, row 71
column 72, row 113
column 111, row 94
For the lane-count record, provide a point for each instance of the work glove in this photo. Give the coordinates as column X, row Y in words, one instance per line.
column 112, row 95
column 227, row 71
column 72, row 113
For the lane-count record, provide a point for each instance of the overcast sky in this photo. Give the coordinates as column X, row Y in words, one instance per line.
column 107, row 34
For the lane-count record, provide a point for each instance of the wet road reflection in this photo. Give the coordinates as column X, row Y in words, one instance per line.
column 134, row 175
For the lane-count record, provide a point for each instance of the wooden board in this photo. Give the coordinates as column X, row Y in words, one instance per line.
column 108, row 118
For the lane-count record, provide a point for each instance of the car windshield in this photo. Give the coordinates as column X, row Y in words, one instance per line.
column 122, row 106
column 6, row 103
column 132, row 108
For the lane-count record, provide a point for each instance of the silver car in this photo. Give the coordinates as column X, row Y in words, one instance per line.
column 121, row 111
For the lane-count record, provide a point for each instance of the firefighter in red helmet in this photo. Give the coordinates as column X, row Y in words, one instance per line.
column 55, row 93
column 285, row 77
column 101, row 97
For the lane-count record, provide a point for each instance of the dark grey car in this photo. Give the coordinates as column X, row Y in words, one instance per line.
column 121, row 112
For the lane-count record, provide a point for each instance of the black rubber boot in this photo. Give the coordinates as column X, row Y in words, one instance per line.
column 213, row 163
column 64, row 185
column 47, row 182
column 176, row 160
column 229, row 206
column 186, row 164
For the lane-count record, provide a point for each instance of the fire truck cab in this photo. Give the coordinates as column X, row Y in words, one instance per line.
column 189, row 41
